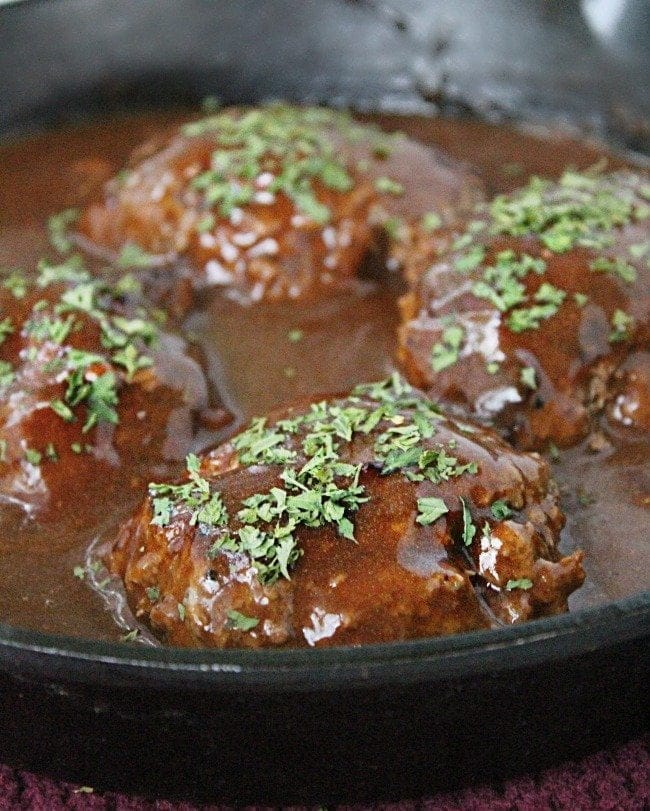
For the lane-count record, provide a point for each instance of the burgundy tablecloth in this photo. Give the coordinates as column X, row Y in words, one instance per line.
column 616, row 780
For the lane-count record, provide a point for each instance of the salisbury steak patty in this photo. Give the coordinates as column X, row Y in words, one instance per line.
column 272, row 202
column 92, row 390
column 521, row 316
column 363, row 518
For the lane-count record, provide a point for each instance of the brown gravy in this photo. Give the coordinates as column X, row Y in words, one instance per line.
column 346, row 339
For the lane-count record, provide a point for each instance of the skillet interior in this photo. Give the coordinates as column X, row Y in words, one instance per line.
column 393, row 720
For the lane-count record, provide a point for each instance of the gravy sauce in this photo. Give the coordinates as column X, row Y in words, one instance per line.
column 255, row 366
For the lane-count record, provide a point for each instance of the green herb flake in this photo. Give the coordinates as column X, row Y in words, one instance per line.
column 180, row 607
column 580, row 299
column 33, row 457
column 523, row 583
column 387, row 185
column 528, row 377
column 206, row 223
column 471, row 259
column 469, row 529
column 295, row 335
column 132, row 361
column 62, row 410
column 615, row 267
column 395, row 228
column 500, row 510
column 319, row 487
column 430, row 509
column 51, row 452
column 530, row 317
column 236, row 621
column 133, row 256
column 445, row 353
column 622, row 327
column 549, row 294
column 58, row 226
column 15, row 282
column 7, row 374
column 6, row 329
column 130, row 636
column 79, row 572
column 431, row 221
column 639, row 250
column 153, row 593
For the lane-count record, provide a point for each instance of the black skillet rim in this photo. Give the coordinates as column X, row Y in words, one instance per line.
column 551, row 639
column 459, row 656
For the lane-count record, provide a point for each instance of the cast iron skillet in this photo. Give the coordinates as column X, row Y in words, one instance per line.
column 320, row 726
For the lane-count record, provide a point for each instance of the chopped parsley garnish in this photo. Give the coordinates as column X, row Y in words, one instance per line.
column 471, row 259
column 6, row 329
column 90, row 379
column 616, row 267
column 153, row 593
column 549, row 294
column 14, row 281
column 431, row 221
column 206, row 507
column 72, row 270
column 430, row 509
column 500, row 510
column 501, row 283
column 528, row 377
column 131, row 360
column 387, row 185
column 530, row 317
column 579, row 210
column 62, row 410
column 319, row 487
column 240, row 622
column 33, row 456
column 523, row 583
column 132, row 256
column 295, row 335
column 206, row 223
column 469, row 529
column 395, row 228
column 622, row 326
column 297, row 146
column 58, row 225
column 639, row 250
column 445, row 353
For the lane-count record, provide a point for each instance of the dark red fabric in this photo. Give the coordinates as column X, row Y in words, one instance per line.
column 618, row 780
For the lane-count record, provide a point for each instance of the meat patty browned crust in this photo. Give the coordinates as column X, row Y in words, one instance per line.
column 92, row 387
column 362, row 518
column 523, row 314
column 274, row 202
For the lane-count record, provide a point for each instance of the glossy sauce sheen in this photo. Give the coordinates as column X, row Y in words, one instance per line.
column 346, row 338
